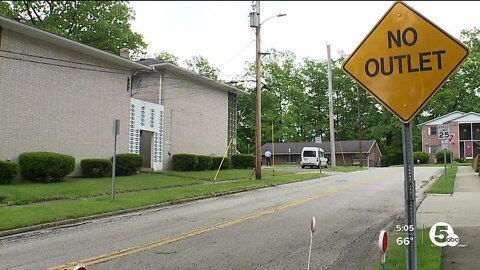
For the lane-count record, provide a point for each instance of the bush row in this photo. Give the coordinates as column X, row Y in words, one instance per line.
column 191, row 162
column 8, row 171
column 439, row 156
column 127, row 164
column 45, row 166
column 53, row 167
column 420, row 157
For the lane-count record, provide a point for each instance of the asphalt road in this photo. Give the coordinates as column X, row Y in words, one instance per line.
column 261, row 229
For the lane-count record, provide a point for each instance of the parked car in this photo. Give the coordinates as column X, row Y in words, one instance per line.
column 313, row 157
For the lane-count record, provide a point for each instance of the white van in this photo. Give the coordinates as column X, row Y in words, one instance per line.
column 313, row 157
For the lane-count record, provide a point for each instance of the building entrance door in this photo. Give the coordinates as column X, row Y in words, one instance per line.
column 468, row 149
column 146, row 138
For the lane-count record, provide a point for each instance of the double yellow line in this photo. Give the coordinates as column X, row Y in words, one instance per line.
column 132, row 250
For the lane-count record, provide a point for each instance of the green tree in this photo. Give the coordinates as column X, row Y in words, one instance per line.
column 246, row 120
column 461, row 92
column 101, row 24
column 167, row 57
column 6, row 9
column 200, row 65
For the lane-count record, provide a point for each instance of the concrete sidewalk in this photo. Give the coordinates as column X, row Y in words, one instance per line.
column 462, row 211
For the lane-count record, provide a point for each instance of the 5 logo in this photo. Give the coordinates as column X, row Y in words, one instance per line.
column 442, row 235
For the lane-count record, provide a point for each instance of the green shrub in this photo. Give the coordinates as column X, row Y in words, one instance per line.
column 439, row 156
column 421, row 156
column 128, row 164
column 45, row 166
column 217, row 160
column 204, row 163
column 460, row 160
column 8, row 171
column 96, row 167
column 243, row 161
column 184, row 162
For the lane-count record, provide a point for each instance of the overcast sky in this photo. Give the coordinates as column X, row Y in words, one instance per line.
column 220, row 30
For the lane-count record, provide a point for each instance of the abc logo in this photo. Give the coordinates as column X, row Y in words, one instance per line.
column 441, row 234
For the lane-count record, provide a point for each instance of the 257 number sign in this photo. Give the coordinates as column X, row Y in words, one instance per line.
column 443, row 132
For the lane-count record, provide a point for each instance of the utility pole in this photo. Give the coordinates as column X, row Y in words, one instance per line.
column 258, row 116
column 330, row 110
column 255, row 22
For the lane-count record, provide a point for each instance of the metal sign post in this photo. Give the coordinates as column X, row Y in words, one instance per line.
column 445, row 162
column 410, row 209
column 443, row 133
column 116, row 131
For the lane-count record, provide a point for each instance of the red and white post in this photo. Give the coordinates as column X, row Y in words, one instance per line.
column 383, row 245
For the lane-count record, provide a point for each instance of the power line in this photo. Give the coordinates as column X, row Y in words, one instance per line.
column 193, row 75
column 237, row 54
column 60, row 65
column 61, row 60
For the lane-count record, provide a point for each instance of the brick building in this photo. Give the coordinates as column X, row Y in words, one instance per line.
column 61, row 96
column 465, row 128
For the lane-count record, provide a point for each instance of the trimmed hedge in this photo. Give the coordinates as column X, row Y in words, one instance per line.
column 45, row 166
column 421, row 156
column 204, row 163
column 128, row 164
column 8, row 171
column 217, row 160
column 243, row 161
column 96, row 167
column 439, row 156
column 184, row 162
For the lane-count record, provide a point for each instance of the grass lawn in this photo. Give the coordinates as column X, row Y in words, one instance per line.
column 72, row 188
column 429, row 256
column 442, row 186
column 225, row 175
column 81, row 203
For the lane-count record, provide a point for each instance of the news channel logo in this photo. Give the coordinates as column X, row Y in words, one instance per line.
column 442, row 235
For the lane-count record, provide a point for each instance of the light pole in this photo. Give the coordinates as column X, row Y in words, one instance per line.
column 255, row 23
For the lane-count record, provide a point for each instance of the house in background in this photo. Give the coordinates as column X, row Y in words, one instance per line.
column 347, row 153
column 200, row 114
column 59, row 95
column 465, row 128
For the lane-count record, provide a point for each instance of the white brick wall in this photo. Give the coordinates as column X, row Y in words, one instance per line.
column 200, row 117
column 60, row 109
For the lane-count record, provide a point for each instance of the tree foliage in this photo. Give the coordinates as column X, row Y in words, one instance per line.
column 200, row 65
column 167, row 57
column 101, row 24
column 295, row 101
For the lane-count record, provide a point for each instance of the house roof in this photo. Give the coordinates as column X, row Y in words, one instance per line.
column 150, row 61
column 471, row 117
column 347, row 147
column 456, row 116
column 70, row 44
column 443, row 119
column 159, row 65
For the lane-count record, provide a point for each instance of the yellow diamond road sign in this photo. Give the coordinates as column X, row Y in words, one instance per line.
column 405, row 60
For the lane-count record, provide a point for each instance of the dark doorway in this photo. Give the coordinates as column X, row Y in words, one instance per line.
column 146, row 148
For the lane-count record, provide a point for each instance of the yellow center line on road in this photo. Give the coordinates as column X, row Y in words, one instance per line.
column 132, row 250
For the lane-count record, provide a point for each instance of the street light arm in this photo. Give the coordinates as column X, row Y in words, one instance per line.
column 278, row 15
